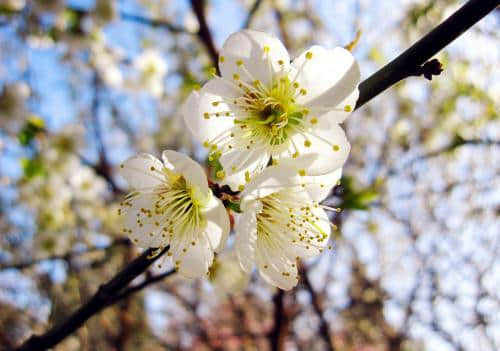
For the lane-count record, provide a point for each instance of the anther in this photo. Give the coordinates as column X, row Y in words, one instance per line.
column 220, row 174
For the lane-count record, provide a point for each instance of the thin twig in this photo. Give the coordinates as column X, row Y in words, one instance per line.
column 277, row 334
column 315, row 299
column 65, row 257
column 152, row 22
column 251, row 13
column 204, row 32
column 435, row 153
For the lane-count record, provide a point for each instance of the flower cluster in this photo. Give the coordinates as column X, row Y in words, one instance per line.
column 62, row 191
column 273, row 129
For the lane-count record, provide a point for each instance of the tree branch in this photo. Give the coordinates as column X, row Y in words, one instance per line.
column 133, row 289
column 156, row 23
column 251, row 13
column 323, row 325
column 412, row 61
column 204, row 32
column 277, row 334
column 456, row 143
column 102, row 298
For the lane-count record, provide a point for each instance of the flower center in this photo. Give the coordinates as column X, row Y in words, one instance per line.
column 270, row 114
column 287, row 217
column 180, row 204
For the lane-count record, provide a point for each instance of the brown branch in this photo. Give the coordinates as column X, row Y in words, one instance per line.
column 204, row 33
column 456, row 143
column 152, row 22
column 414, row 58
column 280, row 19
column 323, row 324
column 64, row 257
column 136, row 288
column 101, row 299
column 277, row 335
column 251, row 13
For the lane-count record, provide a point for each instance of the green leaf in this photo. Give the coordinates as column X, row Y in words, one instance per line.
column 234, row 206
column 33, row 126
column 356, row 199
column 33, row 167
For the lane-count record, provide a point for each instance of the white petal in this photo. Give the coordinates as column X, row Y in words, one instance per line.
column 324, row 148
column 194, row 262
column 218, row 225
column 275, row 267
column 227, row 277
column 329, row 77
column 248, row 46
column 271, row 180
column 201, row 102
column 315, row 247
column 185, row 166
column 341, row 112
column 238, row 162
column 142, row 171
column 246, row 236
column 145, row 233
column 319, row 187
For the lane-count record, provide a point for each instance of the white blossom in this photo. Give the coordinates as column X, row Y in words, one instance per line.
column 226, row 275
column 282, row 221
column 265, row 107
column 152, row 69
column 171, row 204
column 106, row 61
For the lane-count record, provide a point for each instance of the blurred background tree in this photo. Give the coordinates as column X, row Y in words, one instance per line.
column 85, row 84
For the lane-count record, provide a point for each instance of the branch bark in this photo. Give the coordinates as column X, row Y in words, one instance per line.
column 251, row 13
column 102, row 298
column 65, row 257
column 410, row 62
column 204, row 32
column 152, row 22
column 323, row 324
column 278, row 334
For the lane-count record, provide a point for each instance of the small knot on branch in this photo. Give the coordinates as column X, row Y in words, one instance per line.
column 429, row 69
